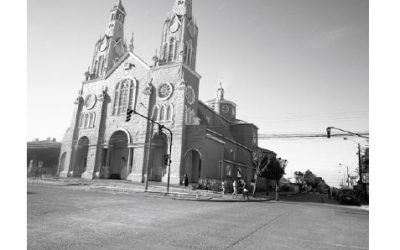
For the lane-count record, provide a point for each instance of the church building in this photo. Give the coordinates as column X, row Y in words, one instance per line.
column 208, row 141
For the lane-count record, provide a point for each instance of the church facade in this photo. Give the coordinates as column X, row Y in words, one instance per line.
column 208, row 141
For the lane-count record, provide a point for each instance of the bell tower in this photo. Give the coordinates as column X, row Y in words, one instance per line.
column 110, row 46
column 179, row 36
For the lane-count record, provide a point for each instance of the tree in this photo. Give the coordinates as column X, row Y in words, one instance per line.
column 310, row 179
column 260, row 162
column 299, row 177
column 275, row 171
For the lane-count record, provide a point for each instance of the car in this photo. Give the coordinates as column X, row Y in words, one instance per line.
column 348, row 196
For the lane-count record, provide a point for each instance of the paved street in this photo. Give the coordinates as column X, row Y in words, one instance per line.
column 61, row 217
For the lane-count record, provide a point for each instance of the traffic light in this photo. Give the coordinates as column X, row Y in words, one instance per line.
column 160, row 129
column 128, row 115
column 328, row 132
column 166, row 159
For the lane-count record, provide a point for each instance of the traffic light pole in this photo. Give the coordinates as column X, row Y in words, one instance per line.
column 146, row 185
column 328, row 131
column 161, row 127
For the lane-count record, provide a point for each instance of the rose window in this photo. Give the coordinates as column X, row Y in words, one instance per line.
column 165, row 91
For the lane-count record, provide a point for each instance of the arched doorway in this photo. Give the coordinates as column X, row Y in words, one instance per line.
column 118, row 160
column 62, row 163
column 193, row 165
column 157, row 168
column 81, row 156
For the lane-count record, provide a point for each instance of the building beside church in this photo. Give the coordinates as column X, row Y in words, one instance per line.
column 42, row 157
column 208, row 142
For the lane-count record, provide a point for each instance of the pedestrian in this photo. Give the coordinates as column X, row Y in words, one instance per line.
column 320, row 194
column 186, row 180
column 223, row 186
column 245, row 190
column 235, row 188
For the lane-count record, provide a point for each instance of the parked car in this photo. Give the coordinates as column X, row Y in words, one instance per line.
column 349, row 196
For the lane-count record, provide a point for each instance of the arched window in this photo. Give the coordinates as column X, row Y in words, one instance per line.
column 176, row 50
column 189, row 53
column 165, row 51
column 95, row 70
column 162, row 113
column 155, row 113
column 132, row 95
column 187, row 114
column 116, row 100
column 125, row 94
column 123, row 98
column 170, row 112
column 101, row 62
column 92, row 119
column 185, row 52
column 86, row 121
column 171, row 49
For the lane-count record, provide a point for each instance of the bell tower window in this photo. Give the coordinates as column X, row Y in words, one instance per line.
column 171, row 49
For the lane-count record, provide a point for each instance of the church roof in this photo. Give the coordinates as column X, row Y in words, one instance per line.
column 241, row 122
column 214, row 100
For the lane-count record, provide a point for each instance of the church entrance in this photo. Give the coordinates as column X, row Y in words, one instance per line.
column 193, row 165
column 157, row 168
column 118, row 158
column 81, row 156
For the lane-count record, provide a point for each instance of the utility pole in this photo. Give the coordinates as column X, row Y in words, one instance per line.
column 148, row 159
column 360, row 182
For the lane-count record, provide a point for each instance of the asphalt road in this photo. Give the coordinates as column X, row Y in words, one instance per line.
column 68, row 218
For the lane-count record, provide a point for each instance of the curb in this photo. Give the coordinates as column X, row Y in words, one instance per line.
column 198, row 196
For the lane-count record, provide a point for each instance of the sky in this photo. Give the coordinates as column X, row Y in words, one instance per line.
column 291, row 66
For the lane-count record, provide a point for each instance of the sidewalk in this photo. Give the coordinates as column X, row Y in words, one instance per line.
column 155, row 189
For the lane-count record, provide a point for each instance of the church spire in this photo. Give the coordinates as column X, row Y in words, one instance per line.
column 220, row 92
column 179, row 36
column 183, row 8
column 120, row 6
column 110, row 47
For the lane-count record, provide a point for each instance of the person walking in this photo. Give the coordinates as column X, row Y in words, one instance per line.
column 223, row 186
column 235, row 188
column 245, row 190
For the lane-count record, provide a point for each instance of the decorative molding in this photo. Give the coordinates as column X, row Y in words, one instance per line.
column 128, row 66
column 149, row 88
